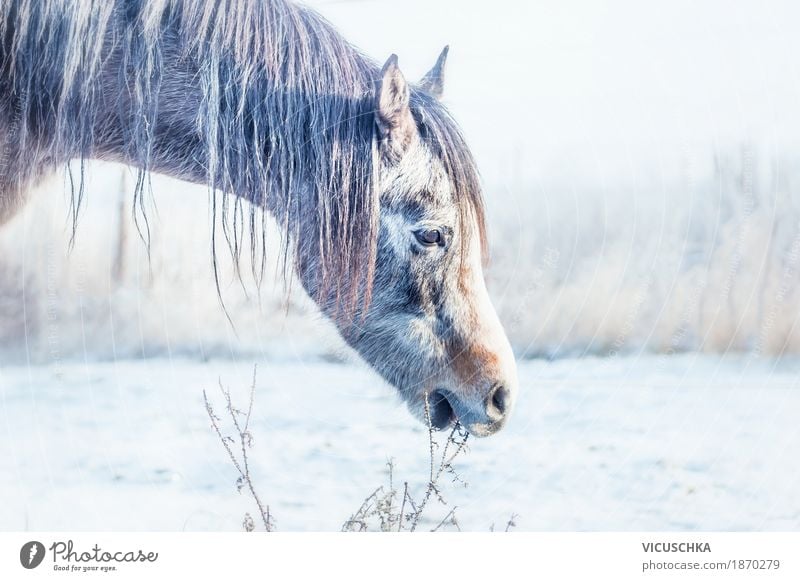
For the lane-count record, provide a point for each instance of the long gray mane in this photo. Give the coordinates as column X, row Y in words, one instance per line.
column 283, row 116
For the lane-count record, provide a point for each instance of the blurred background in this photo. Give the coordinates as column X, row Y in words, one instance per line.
column 641, row 166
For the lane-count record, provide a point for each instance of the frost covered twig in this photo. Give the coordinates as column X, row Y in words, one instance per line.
column 381, row 503
column 456, row 439
column 245, row 440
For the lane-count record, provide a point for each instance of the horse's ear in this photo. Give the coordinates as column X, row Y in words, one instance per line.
column 396, row 125
column 433, row 82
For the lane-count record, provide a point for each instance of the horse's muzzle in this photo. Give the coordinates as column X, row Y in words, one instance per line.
column 480, row 418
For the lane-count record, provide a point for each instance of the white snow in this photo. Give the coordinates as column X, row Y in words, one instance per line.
column 663, row 443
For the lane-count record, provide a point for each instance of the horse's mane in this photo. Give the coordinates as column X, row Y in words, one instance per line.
column 285, row 118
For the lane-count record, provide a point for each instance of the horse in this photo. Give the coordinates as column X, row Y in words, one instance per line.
column 369, row 178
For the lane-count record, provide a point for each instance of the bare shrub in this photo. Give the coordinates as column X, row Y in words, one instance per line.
column 512, row 522
column 382, row 507
column 244, row 438
column 388, row 508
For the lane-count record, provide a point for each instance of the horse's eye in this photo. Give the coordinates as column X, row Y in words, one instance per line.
column 430, row 236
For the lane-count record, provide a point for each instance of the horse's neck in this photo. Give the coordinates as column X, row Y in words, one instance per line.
column 175, row 145
column 160, row 135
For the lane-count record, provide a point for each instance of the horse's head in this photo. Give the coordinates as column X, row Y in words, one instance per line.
column 430, row 328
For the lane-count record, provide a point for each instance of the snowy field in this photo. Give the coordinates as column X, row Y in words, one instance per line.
column 681, row 443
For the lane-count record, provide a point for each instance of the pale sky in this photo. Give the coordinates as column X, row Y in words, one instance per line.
column 576, row 85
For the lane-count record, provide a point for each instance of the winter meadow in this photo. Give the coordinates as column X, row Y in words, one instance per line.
column 642, row 184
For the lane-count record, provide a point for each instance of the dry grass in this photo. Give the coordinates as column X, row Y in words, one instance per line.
column 389, row 508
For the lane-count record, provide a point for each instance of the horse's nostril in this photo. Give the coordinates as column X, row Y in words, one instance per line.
column 440, row 413
column 497, row 402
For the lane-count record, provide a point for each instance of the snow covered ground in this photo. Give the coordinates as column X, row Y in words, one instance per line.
column 680, row 443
